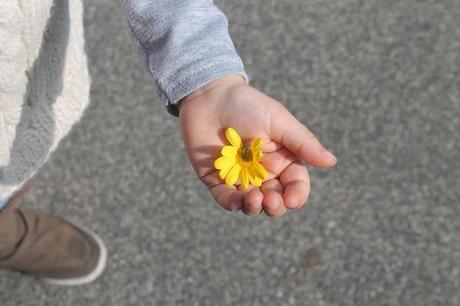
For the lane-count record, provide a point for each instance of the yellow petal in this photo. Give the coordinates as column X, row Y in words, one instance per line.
column 244, row 178
column 233, row 175
column 223, row 172
column 256, row 145
column 253, row 178
column 233, row 137
column 224, row 162
column 229, row 151
column 259, row 170
column 256, row 156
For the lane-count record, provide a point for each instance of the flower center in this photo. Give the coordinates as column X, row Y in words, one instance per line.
column 246, row 153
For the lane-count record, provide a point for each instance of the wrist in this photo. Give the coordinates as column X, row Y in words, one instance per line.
column 222, row 82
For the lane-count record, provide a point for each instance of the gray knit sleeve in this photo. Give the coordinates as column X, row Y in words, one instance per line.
column 185, row 44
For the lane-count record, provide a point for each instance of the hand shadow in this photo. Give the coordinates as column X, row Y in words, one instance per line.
column 206, row 164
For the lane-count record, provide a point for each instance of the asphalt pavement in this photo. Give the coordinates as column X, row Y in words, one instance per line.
column 379, row 84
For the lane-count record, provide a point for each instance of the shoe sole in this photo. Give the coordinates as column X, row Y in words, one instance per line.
column 91, row 276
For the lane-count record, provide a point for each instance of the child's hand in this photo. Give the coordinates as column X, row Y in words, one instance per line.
column 230, row 102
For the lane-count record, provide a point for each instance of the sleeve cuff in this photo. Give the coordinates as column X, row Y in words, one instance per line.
column 171, row 95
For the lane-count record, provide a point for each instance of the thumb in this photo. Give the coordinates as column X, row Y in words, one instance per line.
column 288, row 131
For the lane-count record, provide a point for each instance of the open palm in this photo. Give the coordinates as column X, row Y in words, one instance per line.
column 230, row 102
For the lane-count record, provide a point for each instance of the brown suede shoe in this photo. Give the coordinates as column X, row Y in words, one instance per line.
column 57, row 250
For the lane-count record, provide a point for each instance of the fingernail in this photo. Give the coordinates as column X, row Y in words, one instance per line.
column 329, row 154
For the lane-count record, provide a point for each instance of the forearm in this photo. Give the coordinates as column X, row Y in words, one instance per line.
column 185, row 44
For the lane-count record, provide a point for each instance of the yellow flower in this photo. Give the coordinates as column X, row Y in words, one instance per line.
column 241, row 161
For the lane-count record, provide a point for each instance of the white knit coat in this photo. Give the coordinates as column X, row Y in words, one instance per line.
column 44, row 83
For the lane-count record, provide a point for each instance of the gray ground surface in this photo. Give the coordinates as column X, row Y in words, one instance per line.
column 377, row 81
